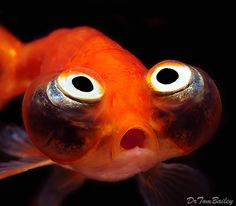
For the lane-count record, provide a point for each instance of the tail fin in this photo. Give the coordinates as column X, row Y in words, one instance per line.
column 10, row 48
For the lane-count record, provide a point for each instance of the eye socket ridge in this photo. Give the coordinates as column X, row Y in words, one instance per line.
column 169, row 78
column 80, row 86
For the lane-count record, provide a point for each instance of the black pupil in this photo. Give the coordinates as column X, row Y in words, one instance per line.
column 167, row 76
column 82, row 83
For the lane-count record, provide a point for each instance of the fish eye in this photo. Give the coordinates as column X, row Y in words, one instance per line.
column 80, row 86
column 169, row 76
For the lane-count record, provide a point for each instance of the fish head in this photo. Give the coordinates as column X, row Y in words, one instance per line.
column 109, row 118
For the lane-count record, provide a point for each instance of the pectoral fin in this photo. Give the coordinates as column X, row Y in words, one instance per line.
column 22, row 165
column 24, row 156
column 171, row 185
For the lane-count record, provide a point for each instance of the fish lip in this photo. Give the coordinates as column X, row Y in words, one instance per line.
column 150, row 142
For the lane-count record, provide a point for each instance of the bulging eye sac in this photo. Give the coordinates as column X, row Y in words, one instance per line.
column 59, row 126
column 190, row 114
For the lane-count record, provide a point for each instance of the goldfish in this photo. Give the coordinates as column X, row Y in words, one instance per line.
column 93, row 110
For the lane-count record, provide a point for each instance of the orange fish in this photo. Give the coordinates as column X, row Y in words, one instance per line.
column 95, row 110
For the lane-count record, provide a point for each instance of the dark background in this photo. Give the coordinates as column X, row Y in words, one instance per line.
column 197, row 34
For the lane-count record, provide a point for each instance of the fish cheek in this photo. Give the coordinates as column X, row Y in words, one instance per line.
column 62, row 133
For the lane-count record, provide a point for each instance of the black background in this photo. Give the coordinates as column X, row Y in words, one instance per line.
column 197, row 34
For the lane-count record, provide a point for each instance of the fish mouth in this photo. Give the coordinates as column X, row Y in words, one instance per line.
column 134, row 149
column 134, row 137
column 137, row 136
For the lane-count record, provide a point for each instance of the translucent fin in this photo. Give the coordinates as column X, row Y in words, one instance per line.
column 14, row 142
column 60, row 184
column 15, row 167
column 171, row 185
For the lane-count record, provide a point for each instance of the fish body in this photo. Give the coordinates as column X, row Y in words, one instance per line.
column 93, row 108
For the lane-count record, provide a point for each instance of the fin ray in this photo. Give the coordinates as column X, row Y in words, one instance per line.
column 18, row 166
column 15, row 143
column 171, row 184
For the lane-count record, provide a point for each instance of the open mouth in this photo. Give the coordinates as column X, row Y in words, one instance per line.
column 134, row 150
column 133, row 138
